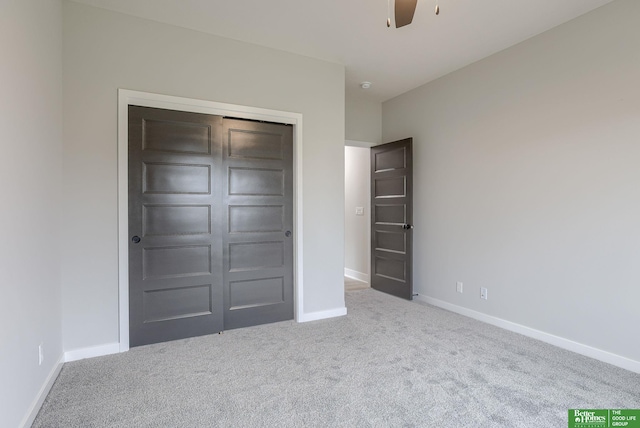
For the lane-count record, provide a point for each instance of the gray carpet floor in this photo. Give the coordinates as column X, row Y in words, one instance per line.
column 388, row 363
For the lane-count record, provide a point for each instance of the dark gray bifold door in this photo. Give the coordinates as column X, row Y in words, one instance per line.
column 175, row 275
column 391, row 218
column 258, row 222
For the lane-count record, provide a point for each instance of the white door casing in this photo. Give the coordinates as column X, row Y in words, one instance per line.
column 128, row 97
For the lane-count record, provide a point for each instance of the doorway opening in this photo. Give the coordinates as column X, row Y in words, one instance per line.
column 379, row 216
column 357, row 215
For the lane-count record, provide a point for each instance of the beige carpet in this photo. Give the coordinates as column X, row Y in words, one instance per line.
column 352, row 284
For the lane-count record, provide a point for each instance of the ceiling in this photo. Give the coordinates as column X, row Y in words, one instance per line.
column 354, row 32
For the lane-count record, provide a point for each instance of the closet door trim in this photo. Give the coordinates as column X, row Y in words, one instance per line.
column 129, row 97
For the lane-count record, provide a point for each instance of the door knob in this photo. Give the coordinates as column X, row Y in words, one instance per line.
column 407, row 226
column 287, row 233
column 135, row 239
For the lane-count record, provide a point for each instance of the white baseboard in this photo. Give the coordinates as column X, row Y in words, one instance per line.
column 354, row 274
column 94, row 351
column 570, row 345
column 320, row 315
column 42, row 394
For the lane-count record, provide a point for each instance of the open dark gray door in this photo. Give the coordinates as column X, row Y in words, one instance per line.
column 175, row 284
column 391, row 218
column 257, row 234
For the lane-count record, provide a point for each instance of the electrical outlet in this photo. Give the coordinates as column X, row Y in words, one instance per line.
column 459, row 287
column 40, row 354
column 359, row 210
column 483, row 293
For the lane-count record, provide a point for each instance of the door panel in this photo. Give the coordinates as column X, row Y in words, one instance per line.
column 173, row 178
column 255, row 255
column 163, row 220
column 255, row 182
column 176, row 262
column 258, row 251
column 391, row 241
column 390, row 214
column 256, row 292
column 389, row 158
column 178, row 137
column 391, row 218
column 175, row 284
column 391, row 187
column 255, row 218
column 173, row 303
column 255, row 144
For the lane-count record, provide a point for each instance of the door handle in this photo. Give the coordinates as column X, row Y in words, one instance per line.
column 407, row 226
column 287, row 233
column 135, row 239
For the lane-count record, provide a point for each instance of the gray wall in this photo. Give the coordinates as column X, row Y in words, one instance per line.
column 527, row 172
column 30, row 183
column 363, row 117
column 104, row 51
column 356, row 194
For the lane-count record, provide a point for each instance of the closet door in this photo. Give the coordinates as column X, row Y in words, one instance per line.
column 258, row 222
column 175, row 251
column 210, row 224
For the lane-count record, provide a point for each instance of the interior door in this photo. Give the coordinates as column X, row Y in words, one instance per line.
column 175, row 269
column 391, row 218
column 258, row 222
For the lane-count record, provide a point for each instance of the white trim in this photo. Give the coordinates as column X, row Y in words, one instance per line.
column 321, row 315
column 354, row 274
column 42, row 394
column 560, row 342
column 356, row 143
column 127, row 97
column 94, row 351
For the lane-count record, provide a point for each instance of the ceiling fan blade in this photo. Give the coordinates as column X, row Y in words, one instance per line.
column 404, row 10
